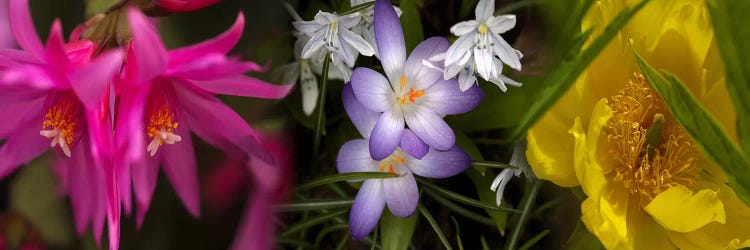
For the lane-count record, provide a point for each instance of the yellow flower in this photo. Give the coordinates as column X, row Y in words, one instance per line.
column 648, row 186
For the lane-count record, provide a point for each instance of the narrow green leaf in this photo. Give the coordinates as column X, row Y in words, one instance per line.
column 344, row 177
column 701, row 126
column 396, row 232
column 320, row 120
column 435, row 227
column 312, row 222
column 342, row 242
column 358, row 8
column 458, row 234
column 561, row 79
column 322, row 233
column 489, row 164
column 411, row 22
column 485, row 246
column 730, row 21
column 516, row 6
column 527, row 204
column 581, row 239
column 460, row 210
column 463, row 199
column 527, row 245
column 314, row 205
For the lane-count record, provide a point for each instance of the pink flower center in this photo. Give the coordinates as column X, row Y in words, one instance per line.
column 161, row 119
column 61, row 120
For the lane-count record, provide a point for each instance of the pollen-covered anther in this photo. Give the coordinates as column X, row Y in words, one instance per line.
column 60, row 123
column 410, row 96
column 652, row 152
column 161, row 129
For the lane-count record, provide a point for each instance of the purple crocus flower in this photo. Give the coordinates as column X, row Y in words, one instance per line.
column 411, row 156
column 412, row 93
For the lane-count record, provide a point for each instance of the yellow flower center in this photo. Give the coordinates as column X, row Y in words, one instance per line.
column 161, row 129
column 411, row 96
column 61, row 120
column 651, row 151
column 482, row 28
column 391, row 164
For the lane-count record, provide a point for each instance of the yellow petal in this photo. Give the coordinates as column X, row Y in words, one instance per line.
column 677, row 209
column 586, row 153
column 550, row 150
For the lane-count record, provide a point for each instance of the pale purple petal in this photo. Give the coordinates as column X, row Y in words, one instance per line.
column 23, row 29
column 401, row 194
column 245, row 86
column 354, row 156
column 430, row 127
column 92, row 82
column 389, row 39
column 180, row 167
column 145, row 173
column 367, row 208
column 416, row 71
column 412, row 145
column 364, row 120
column 466, row 79
column 372, row 89
column 307, row 27
column 21, row 147
column 313, row 45
column 484, row 9
column 221, row 44
column 359, row 43
column 441, row 164
column 148, row 57
column 386, row 135
column 446, row 97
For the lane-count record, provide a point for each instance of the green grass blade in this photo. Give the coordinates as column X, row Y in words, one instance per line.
column 327, row 230
column 396, row 232
column 458, row 234
column 358, row 8
column 463, row 199
column 528, row 244
column 320, row 116
column 564, row 77
column 730, row 21
column 527, row 204
column 344, row 177
column 701, row 126
column 435, row 227
column 460, row 210
column 312, row 222
column 314, row 205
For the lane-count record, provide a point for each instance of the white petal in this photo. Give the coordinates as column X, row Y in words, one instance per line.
column 309, row 85
column 456, row 51
column 326, row 18
column 507, row 54
column 359, row 43
column 484, row 60
column 452, row 71
column 501, row 24
column 307, row 27
column 464, row 27
column 466, row 80
column 312, row 46
column 349, row 21
column 484, row 10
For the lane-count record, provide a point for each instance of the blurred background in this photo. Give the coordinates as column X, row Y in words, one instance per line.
column 33, row 214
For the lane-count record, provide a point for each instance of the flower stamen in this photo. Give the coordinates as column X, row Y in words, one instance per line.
column 161, row 128
column 60, row 123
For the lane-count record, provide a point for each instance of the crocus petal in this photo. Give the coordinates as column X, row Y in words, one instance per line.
column 401, row 194
column 357, row 42
column 416, row 71
column 367, row 208
column 55, row 47
column 390, row 39
column 20, row 148
column 386, row 135
column 364, row 120
column 354, row 156
column 245, row 86
column 501, row 24
column 372, row 89
column 145, row 173
column 441, row 164
column 445, row 97
column 23, row 28
column 484, row 9
column 507, row 54
column 149, row 57
column 464, row 27
column 430, row 127
column 459, row 49
column 91, row 82
column 412, row 145
column 221, row 44
column 180, row 167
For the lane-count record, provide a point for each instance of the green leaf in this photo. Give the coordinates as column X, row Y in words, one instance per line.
column 315, row 205
column 582, row 239
column 528, row 244
column 322, row 233
column 463, row 199
column 34, row 194
column 344, row 177
column 396, row 232
column 359, row 8
column 701, row 126
column 459, row 209
column 482, row 180
column 312, row 222
column 561, row 79
column 730, row 21
column 435, row 227
column 458, row 234
column 320, row 116
column 411, row 22
column 527, row 204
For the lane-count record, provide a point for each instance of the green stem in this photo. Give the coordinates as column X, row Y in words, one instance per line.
column 527, row 203
column 490, row 164
column 319, row 127
column 460, row 210
column 358, row 8
column 314, row 205
column 435, row 227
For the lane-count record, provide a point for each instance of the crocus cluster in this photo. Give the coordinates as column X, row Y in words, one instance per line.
column 113, row 116
column 400, row 115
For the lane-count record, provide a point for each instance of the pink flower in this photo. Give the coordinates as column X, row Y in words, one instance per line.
column 164, row 96
column 6, row 37
column 52, row 96
column 184, row 5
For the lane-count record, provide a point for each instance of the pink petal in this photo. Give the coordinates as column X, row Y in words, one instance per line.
column 210, row 67
column 180, row 166
column 21, row 147
column 256, row 230
column 221, row 44
column 185, row 5
column 13, row 121
column 6, row 37
column 23, row 28
column 147, row 57
column 56, row 48
column 92, row 82
column 145, row 173
column 245, row 86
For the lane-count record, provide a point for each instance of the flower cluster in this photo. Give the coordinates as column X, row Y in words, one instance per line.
column 113, row 116
column 400, row 115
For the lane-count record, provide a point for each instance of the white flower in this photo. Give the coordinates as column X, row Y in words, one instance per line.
column 518, row 159
column 329, row 33
column 365, row 26
column 480, row 50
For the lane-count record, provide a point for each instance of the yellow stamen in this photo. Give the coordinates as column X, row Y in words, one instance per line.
column 482, row 28
column 645, row 169
column 161, row 128
column 403, row 82
column 60, row 123
column 411, row 96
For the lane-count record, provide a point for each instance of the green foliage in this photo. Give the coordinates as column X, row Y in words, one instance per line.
column 396, row 232
column 702, row 127
column 528, row 244
column 411, row 23
column 520, row 220
column 730, row 22
column 435, row 227
column 315, row 205
column 344, row 177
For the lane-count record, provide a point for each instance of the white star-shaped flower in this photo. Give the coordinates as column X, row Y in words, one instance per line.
column 365, row 27
column 518, row 159
column 480, row 50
